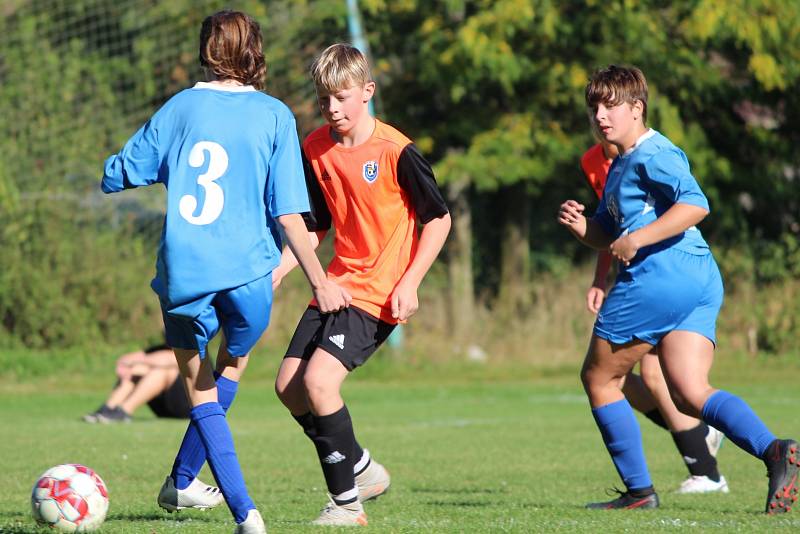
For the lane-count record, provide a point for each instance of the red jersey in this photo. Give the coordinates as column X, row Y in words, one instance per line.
column 595, row 166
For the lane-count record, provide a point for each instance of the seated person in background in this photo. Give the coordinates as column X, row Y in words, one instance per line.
column 146, row 376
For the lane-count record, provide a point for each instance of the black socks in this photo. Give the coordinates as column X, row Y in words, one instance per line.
column 694, row 449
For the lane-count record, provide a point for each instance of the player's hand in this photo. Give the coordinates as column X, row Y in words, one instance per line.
column 624, row 249
column 404, row 301
column 331, row 297
column 594, row 299
column 570, row 214
column 124, row 370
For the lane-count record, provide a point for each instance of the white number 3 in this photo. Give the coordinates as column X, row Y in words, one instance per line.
column 215, row 198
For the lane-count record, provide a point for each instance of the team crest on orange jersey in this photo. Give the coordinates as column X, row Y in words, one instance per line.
column 370, row 171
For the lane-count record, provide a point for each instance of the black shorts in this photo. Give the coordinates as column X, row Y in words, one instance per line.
column 172, row 402
column 350, row 335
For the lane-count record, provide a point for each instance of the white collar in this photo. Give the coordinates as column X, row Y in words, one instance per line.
column 228, row 88
column 642, row 138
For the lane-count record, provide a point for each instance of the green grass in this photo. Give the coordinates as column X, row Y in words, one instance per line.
column 470, row 450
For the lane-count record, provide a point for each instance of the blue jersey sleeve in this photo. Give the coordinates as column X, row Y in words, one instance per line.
column 604, row 218
column 136, row 164
column 286, row 186
column 668, row 172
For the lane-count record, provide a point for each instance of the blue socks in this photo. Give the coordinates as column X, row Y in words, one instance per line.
column 734, row 418
column 192, row 454
column 209, row 419
column 623, row 439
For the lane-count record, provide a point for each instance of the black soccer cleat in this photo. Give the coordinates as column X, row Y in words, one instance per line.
column 782, row 461
column 626, row 501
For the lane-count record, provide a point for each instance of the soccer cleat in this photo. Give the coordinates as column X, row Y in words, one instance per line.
column 626, row 501
column 714, row 440
column 197, row 495
column 703, row 484
column 342, row 515
column 782, row 460
column 373, row 481
column 253, row 524
column 113, row 415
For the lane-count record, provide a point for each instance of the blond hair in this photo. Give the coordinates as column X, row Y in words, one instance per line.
column 231, row 48
column 340, row 66
column 615, row 85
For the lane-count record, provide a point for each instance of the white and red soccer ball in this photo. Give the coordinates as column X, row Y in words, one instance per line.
column 70, row 497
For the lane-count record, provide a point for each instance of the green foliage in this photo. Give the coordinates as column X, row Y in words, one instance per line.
column 491, row 90
column 78, row 79
column 62, row 283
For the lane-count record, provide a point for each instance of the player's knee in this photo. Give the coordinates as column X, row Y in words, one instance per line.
column 651, row 377
column 591, row 384
column 283, row 389
column 316, row 387
column 687, row 401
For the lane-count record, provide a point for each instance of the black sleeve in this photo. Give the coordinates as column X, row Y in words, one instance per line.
column 319, row 218
column 415, row 176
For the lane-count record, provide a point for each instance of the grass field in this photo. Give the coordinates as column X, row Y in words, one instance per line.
column 470, row 450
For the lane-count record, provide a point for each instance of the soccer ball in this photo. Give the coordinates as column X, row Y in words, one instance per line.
column 70, row 497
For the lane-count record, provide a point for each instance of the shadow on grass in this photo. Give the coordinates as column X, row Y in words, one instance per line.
column 160, row 516
column 461, row 491
column 464, row 504
column 18, row 529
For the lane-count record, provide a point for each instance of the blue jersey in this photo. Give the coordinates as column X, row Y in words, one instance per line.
column 230, row 161
column 643, row 184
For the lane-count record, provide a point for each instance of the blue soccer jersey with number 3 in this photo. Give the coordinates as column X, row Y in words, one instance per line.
column 230, row 161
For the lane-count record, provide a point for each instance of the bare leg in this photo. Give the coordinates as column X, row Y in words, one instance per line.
column 686, row 359
column 323, row 380
column 120, row 392
column 637, row 393
column 289, row 385
column 605, row 368
column 229, row 366
column 197, row 377
column 654, row 379
column 149, row 387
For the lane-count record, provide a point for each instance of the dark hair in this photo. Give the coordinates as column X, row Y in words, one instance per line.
column 617, row 84
column 231, row 48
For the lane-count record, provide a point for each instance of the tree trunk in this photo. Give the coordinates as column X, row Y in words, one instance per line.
column 461, row 292
column 515, row 293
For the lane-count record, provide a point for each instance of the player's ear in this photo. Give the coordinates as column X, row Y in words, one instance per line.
column 638, row 109
column 368, row 91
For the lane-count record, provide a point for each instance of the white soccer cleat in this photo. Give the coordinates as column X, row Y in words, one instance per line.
column 714, row 440
column 197, row 495
column 373, row 482
column 253, row 524
column 345, row 515
column 703, row 484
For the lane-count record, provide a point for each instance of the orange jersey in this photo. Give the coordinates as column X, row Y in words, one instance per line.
column 595, row 166
column 373, row 193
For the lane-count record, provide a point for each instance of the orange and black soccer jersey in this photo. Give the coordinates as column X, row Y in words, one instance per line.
column 595, row 166
column 373, row 195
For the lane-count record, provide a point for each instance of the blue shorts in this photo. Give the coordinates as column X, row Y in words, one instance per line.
column 242, row 312
column 668, row 290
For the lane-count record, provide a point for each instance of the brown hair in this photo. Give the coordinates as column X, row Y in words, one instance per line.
column 338, row 67
column 231, row 48
column 615, row 85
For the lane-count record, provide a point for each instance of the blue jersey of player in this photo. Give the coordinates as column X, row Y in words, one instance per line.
column 643, row 184
column 230, row 161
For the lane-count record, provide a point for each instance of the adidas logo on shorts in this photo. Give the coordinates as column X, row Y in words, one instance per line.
column 338, row 340
column 334, row 458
